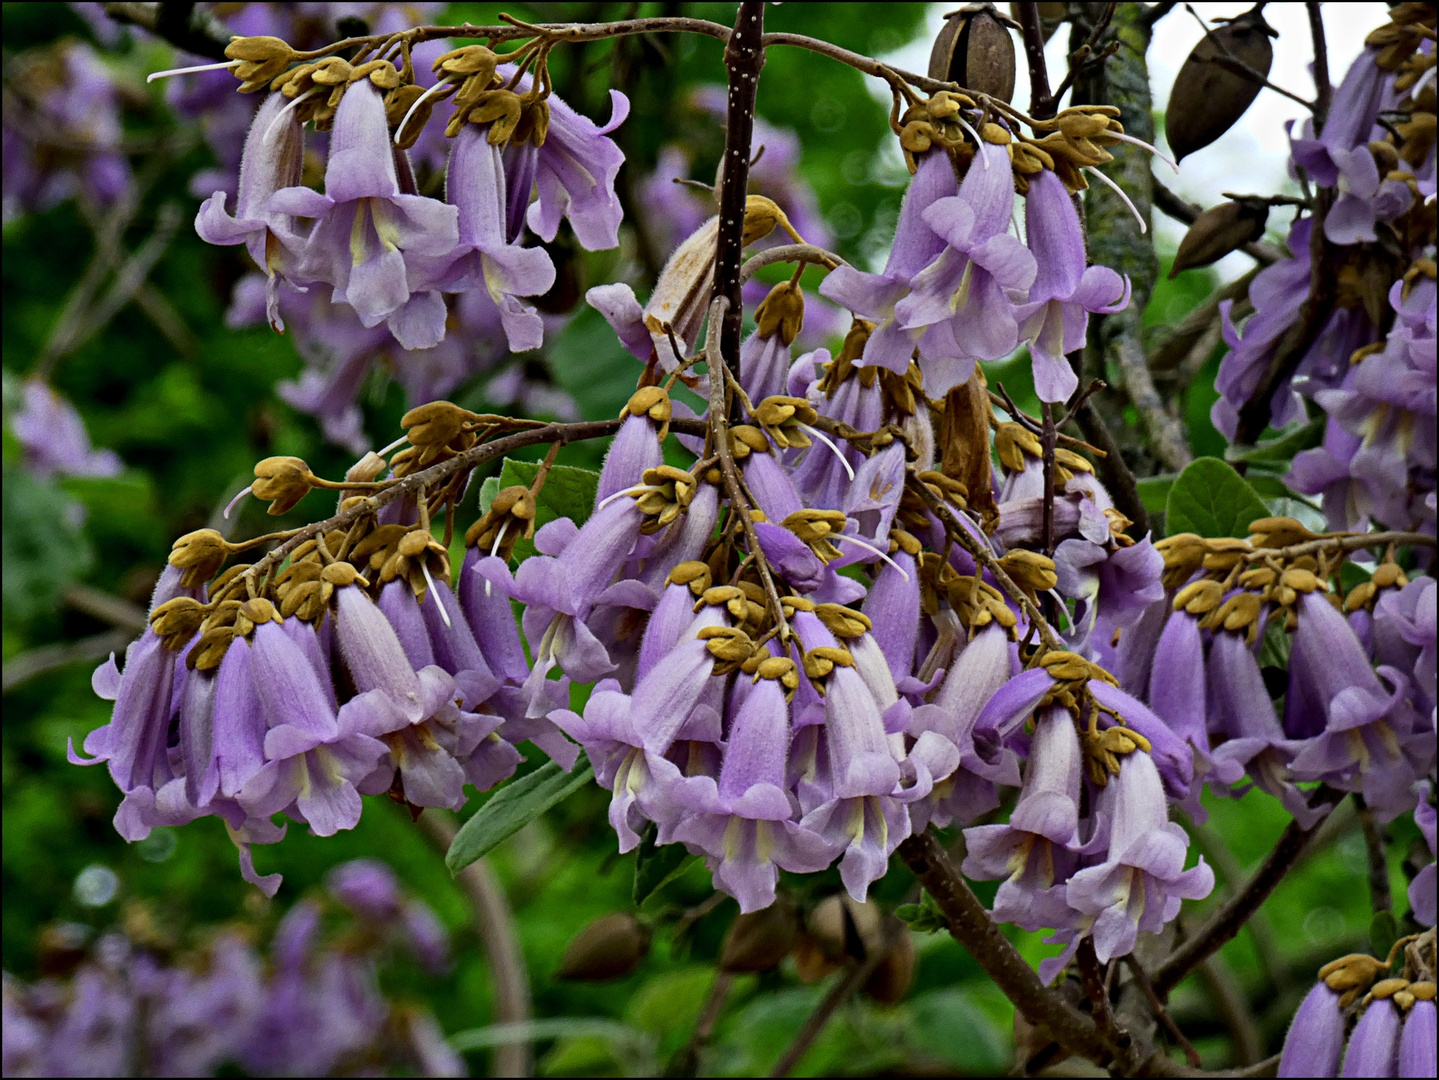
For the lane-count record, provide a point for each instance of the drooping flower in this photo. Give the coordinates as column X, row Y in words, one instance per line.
column 1316, row 1036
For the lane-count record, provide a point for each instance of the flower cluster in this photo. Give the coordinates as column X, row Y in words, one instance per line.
column 1356, row 294
column 312, row 1007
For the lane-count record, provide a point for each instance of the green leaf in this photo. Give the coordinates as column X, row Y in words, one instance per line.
column 1154, row 491
column 1282, row 449
column 512, row 808
column 488, row 490
column 925, row 916
column 657, row 865
column 1383, row 932
column 1211, row 499
column 568, row 492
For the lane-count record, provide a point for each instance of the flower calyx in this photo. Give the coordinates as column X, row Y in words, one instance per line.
column 781, row 312
column 784, row 419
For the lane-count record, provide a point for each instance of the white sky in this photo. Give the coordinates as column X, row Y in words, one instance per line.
column 1251, row 156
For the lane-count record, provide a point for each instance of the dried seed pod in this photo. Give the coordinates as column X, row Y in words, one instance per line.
column 1218, row 231
column 890, row 980
column 760, row 940
column 608, row 948
column 1209, row 98
column 975, row 50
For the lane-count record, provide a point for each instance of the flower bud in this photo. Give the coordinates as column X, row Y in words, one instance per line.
column 761, row 939
column 1208, row 99
column 281, row 481
column 200, row 555
column 265, row 58
column 609, row 948
column 178, row 620
column 1031, row 569
column 781, row 312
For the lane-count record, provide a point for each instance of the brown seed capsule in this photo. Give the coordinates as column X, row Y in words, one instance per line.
column 608, row 948
column 761, row 939
column 1208, row 98
column 975, row 50
column 1218, row 231
column 890, row 980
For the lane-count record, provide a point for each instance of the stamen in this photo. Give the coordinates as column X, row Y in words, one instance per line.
column 979, row 143
column 1160, row 154
column 394, row 445
column 243, row 492
column 869, row 547
column 495, row 547
column 270, row 131
column 636, row 490
column 1143, row 228
column 445, row 615
column 838, row 452
column 223, row 65
column 442, row 84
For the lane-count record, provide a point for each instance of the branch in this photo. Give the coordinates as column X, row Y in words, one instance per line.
column 744, row 59
column 1352, row 542
column 806, row 253
column 971, row 926
column 27, row 665
column 1225, row 923
column 1041, row 102
column 107, row 608
column 495, row 925
column 1323, row 89
column 185, row 26
column 1380, row 895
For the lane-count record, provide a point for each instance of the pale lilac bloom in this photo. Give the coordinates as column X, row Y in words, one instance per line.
column 1421, row 889
column 368, row 232
column 1117, row 586
column 54, row 437
column 1416, row 1044
column 1374, row 1045
column 1404, row 636
column 1036, row 852
column 274, row 154
column 916, row 246
column 961, row 302
column 1316, row 1036
column 1141, row 884
column 1055, row 319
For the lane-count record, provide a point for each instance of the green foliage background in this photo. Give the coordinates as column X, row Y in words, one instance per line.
column 189, row 425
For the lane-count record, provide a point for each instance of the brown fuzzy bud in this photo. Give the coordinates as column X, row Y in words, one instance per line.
column 975, row 50
column 609, row 948
column 1276, row 532
column 761, row 939
column 781, row 312
column 177, row 620
column 1014, row 444
column 264, row 59
column 1209, row 98
column 200, row 555
column 282, row 482
column 694, row 573
column 843, row 622
column 761, row 217
column 1031, row 569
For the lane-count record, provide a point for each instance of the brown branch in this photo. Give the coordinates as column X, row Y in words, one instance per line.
column 1381, row 897
column 106, row 607
column 806, row 253
column 971, row 926
column 185, row 26
column 1226, row 922
column 495, row 925
column 1352, row 542
column 1157, row 1006
column 1323, row 89
column 1046, row 451
column 686, row 1060
column 27, row 665
column 1042, row 104
column 744, row 59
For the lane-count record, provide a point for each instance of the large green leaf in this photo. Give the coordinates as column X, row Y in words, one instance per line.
column 1211, row 499
column 1280, row 450
column 568, row 492
column 512, row 808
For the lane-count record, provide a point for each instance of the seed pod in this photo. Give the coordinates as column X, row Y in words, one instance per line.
column 760, row 940
column 608, row 948
column 975, row 50
column 1208, row 99
column 1218, row 231
column 890, row 980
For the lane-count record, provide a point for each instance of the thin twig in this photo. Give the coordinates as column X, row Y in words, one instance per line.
column 1323, row 89
column 1084, row 56
column 1041, row 102
column 27, row 665
column 495, row 925
column 807, row 253
column 1096, row 988
column 1352, row 542
column 1225, row 923
column 201, row 33
column 1046, row 444
column 1142, row 979
column 971, row 926
column 1231, row 63
column 839, row 993
column 106, row 607
column 1233, row 1008
column 685, row 1061
column 1118, row 480
column 1381, row 897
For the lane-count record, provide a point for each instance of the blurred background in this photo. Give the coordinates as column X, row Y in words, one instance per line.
column 118, row 317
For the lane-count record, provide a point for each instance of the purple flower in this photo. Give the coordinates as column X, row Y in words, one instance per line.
column 1056, row 318
column 274, row 154
column 1116, row 586
column 367, row 232
column 1316, row 1036
column 743, row 822
column 54, row 437
column 475, row 185
column 1421, row 889
column 916, row 245
column 961, row 301
column 1374, row 1045
column 1140, row 885
column 1350, row 122
column 1416, row 1044
column 1035, row 853
column 1404, row 636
